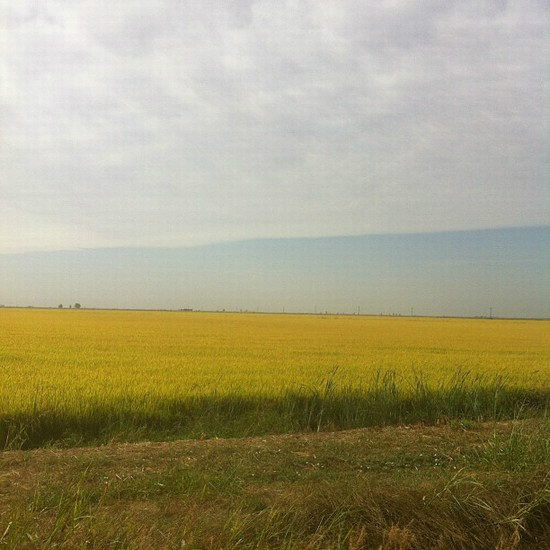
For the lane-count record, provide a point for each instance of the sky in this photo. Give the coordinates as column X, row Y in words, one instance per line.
column 174, row 123
column 160, row 129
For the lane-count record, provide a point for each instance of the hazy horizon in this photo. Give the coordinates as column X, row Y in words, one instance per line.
column 463, row 273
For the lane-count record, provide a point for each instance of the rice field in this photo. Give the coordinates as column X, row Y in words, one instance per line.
column 71, row 376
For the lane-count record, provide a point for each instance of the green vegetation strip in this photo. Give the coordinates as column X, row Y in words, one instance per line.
column 406, row 487
column 387, row 402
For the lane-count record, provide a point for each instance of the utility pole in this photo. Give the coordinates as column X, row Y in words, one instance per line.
column 490, row 313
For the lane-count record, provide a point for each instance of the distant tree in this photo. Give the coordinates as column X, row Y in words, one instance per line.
column 77, row 305
column 60, row 306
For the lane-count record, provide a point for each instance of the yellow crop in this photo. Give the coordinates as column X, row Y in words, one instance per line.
column 66, row 357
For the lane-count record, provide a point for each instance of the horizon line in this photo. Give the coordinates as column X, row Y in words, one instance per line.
column 283, row 312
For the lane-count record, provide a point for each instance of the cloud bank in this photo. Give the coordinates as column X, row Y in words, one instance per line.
column 451, row 273
column 169, row 123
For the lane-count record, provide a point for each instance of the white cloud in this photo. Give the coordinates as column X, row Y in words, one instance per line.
column 170, row 123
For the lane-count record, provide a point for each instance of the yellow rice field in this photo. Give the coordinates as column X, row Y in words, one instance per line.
column 67, row 356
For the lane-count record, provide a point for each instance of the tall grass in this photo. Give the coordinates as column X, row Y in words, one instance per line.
column 453, row 510
column 519, row 450
column 386, row 400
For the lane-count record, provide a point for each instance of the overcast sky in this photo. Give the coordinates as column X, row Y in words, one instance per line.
column 173, row 123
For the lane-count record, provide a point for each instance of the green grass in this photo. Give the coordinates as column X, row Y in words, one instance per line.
column 388, row 401
column 401, row 488
column 519, row 450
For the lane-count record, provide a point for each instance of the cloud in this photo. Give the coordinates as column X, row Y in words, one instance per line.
column 176, row 123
